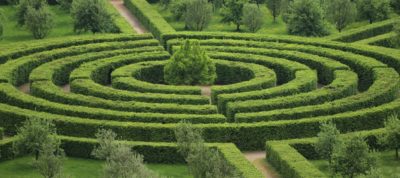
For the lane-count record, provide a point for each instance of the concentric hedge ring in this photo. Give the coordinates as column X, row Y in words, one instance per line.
column 273, row 92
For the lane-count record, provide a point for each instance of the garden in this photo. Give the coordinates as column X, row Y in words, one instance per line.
column 200, row 88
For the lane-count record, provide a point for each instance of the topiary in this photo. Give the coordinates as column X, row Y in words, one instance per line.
column 190, row 66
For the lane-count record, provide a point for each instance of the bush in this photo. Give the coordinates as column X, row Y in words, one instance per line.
column 305, row 18
column 198, row 14
column 92, row 15
column 22, row 9
column 190, row 66
column 391, row 138
column 252, row 17
column 39, row 21
column 65, row 4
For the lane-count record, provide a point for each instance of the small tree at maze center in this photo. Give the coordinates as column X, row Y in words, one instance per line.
column 391, row 138
column 190, row 65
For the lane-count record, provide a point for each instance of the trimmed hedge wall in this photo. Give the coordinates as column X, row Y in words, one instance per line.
column 149, row 17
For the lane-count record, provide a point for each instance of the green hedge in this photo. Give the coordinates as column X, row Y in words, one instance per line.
column 149, row 17
column 384, row 89
column 1, row 133
column 138, row 77
column 344, row 85
column 364, row 32
column 384, row 40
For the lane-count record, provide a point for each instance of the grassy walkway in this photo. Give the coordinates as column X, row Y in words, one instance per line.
column 75, row 167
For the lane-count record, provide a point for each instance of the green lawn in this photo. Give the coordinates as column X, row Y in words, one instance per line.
column 75, row 167
column 386, row 162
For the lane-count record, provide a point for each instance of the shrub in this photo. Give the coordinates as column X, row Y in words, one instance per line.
column 327, row 138
column 305, row 18
column 190, row 66
column 51, row 161
column 106, row 140
column 92, row 15
column 391, row 138
column 65, row 4
column 39, row 21
column 252, row 17
column 198, row 14
column 22, row 9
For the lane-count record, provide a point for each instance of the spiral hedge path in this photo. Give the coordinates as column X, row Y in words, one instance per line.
column 266, row 88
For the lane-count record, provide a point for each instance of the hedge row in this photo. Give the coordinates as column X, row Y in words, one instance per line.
column 16, row 50
column 153, row 152
column 1, row 133
column 10, row 95
column 146, row 77
column 384, row 40
column 48, row 91
column 17, row 71
column 384, row 89
column 343, row 86
column 364, row 32
column 290, row 157
column 262, row 78
column 149, row 17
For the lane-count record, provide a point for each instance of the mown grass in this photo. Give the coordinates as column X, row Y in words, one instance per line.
column 76, row 167
column 387, row 164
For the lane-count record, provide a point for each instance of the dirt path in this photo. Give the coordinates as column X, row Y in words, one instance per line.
column 66, row 88
column 26, row 88
column 132, row 20
column 258, row 160
column 206, row 91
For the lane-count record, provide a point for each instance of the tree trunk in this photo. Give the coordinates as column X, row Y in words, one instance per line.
column 37, row 155
column 237, row 27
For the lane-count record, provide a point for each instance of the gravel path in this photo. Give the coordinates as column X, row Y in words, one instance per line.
column 258, row 160
column 132, row 20
column 66, row 88
column 26, row 88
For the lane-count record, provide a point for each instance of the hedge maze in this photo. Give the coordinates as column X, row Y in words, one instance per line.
column 268, row 88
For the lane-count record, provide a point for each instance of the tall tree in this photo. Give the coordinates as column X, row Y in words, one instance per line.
column 391, row 138
column 198, row 14
column 22, row 9
column 341, row 13
column 352, row 158
column 33, row 135
column 374, row 10
column 328, row 137
column 203, row 162
column 233, row 12
column 252, row 17
column 39, row 21
column 50, row 162
column 305, row 18
column 92, row 15
column 274, row 7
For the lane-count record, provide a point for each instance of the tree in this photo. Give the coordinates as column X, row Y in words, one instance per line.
column 92, row 15
column 374, row 10
column 165, row 3
column 178, row 9
column 258, row 2
column 233, row 12
column 39, row 21
column 190, row 65
column 395, row 5
column 22, row 9
column 106, row 139
column 65, row 4
column 352, row 158
column 305, row 18
column 252, row 17
column 123, row 163
column 341, row 13
column 203, row 162
column 51, row 160
column 274, row 7
column 328, row 137
column 33, row 135
column 391, row 138
column 217, row 4
column 198, row 14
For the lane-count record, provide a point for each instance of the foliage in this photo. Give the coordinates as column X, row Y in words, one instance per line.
column 178, row 9
column 2, row 19
column 22, row 9
column 33, row 135
column 165, row 3
column 258, row 2
column 327, row 139
column 352, row 157
column 65, row 4
column 39, row 21
column 203, row 162
column 123, row 163
column 374, row 10
column 51, row 160
column 391, row 138
column 395, row 40
column 190, row 66
column 274, row 7
column 305, row 18
column 395, row 6
column 198, row 14
column 92, row 15
column 252, row 17
column 233, row 12
column 106, row 139
column 217, row 4
column 341, row 13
